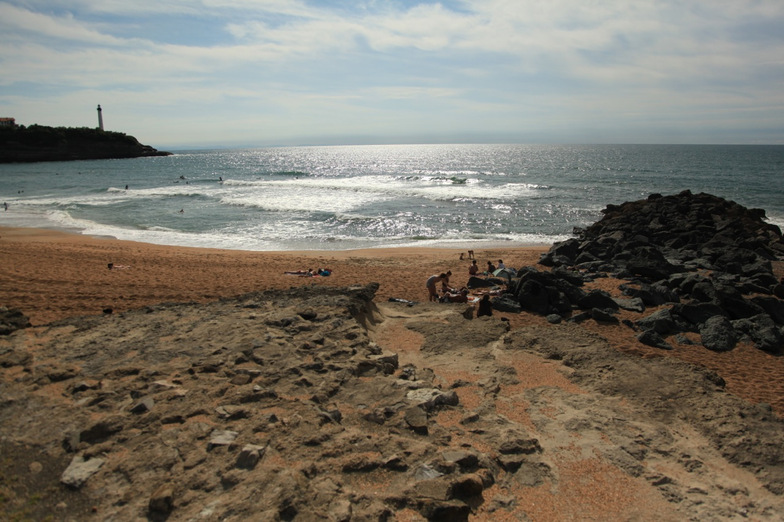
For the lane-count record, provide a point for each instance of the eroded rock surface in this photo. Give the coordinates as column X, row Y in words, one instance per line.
column 315, row 403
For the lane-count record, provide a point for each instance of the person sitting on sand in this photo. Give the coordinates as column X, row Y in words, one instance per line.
column 490, row 267
column 473, row 269
column 501, row 264
column 431, row 286
column 485, row 306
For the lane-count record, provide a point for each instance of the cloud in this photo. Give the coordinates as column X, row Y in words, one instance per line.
column 495, row 64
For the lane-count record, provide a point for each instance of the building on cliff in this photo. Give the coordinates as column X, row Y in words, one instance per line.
column 7, row 122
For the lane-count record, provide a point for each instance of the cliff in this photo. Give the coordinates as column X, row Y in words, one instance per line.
column 40, row 143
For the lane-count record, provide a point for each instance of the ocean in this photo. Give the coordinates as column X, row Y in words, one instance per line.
column 348, row 197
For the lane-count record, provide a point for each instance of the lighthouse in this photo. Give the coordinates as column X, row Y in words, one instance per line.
column 100, row 118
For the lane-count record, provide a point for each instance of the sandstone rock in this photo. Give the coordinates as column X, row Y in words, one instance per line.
column 221, row 438
column 430, row 398
column 416, row 418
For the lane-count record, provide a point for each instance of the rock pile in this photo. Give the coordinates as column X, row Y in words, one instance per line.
column 705, row 259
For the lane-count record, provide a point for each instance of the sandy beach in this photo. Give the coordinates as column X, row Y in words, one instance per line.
column 52, row 276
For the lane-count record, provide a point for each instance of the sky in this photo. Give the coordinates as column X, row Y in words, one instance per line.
column 224, row 73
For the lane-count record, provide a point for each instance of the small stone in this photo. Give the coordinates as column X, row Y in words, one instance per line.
column 143, row 406
column 79, row 470
column 464, row 459
column 416, row 418
column 467, row 486
column 470, row 418
column 250, row 456
column 240, row 379
column 520, row 446
column 395, row 463
column 221, row 438
column 162, row 500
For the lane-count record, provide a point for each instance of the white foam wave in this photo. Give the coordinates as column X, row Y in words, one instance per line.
column 372, row 188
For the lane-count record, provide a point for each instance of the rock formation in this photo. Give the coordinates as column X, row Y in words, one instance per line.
column 302, row 405
column 40, row 143
column 705, row 259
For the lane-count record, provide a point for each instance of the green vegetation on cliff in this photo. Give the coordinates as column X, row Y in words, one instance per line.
column 41, row 143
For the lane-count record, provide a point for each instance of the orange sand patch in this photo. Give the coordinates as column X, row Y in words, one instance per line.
column 588, row 489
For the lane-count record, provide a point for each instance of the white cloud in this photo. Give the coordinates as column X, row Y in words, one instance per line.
column 511, row 64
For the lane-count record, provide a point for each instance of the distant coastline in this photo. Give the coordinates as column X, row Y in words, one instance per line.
column 37, row 143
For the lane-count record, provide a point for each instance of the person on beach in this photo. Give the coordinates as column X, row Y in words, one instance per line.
column 445, row 283
column 490, row 267
column 473, row 269
column 501, row 264
column 456, row 297
column 485, row 307
column 301, row 273
column 431, row 285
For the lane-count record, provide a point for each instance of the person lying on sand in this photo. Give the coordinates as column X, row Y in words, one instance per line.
column 460, row 296
column 301, row 273
column 323, row 272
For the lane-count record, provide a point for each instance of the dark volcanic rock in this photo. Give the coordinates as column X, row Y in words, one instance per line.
column 709, row 256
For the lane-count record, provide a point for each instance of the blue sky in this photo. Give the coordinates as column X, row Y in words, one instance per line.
column 269, row 72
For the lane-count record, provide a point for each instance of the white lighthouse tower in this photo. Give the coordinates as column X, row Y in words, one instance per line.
column 100, row 118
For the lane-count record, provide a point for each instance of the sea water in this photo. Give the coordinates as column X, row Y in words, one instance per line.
column 346, row 197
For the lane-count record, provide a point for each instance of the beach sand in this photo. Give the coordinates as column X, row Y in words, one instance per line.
column 52, row 275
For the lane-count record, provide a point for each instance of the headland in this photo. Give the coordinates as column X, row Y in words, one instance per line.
column 20, row 144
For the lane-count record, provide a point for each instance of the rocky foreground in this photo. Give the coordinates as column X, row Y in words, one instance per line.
column 308, row 404
column 321, row 403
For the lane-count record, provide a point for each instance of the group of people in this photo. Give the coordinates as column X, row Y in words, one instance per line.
column 473, row 268
column 453, row 295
